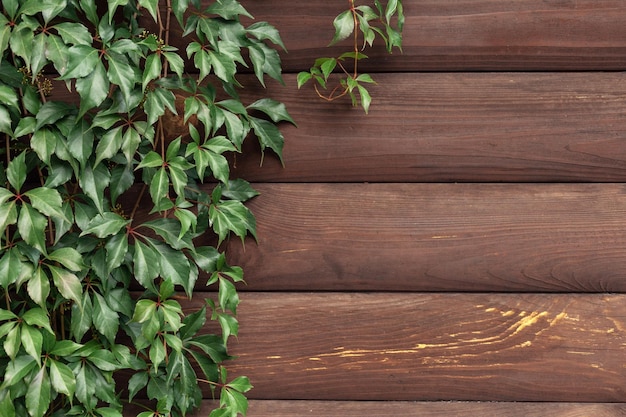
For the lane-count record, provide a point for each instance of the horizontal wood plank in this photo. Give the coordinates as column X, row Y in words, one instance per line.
column 445, row 35
column 536, row 127
column 437, row 237
column 277, row 408
column 415, row 347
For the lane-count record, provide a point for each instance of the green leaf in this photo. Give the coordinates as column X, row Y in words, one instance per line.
column 193, row 323
column 32, row 225
column 80, row 141
column 231, row 216
column 93, row 89
column 136, row 383
column 152, row 69
column 116, row 250
column 113, row 5
column 104, row 360
column 56, row 51
column 38, row 394
column 236, row 401
column 105, row 224
column 5, row 121
column 159, row 187
column 228, row 297
column 344, row 26
column 241, row 384
column 17, row 370
column 176, row 63
column 263, row 31
column 8, row 96
column 151, row 160
column 81, row 319
column 6, row 403
column 82, row 60
column 8, row 215
column 69, row 258
column 151, row 6
column 21, row 42
column 109, row 145
column 62, row 378
column 44, row 143
column 274, row 109
column 122, row 74
column 67, row 283
column 173, row 265
column 169, row 230
column 365, row 98
column 105, row 320
column 228, row 9
column 38, row 287
column 37, row 317
column 303, row 78
column 38, row 53
column 145, row 264
column 16, row 171
column 64, row 348
column 73, row 33
column 47, row 201
column 269, row 136
column 239, row 190
column 25, row 126
column 32, row 341
column 93, row 182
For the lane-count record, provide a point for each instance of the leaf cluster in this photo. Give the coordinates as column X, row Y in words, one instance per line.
column 385, row 20
column 106, row 217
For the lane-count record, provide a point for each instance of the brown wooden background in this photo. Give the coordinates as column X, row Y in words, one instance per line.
column 459, row 251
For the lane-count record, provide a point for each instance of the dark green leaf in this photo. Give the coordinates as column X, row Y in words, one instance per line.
column 47, row 201
column 44, row 143
column 8, row 215
column 116, row 249
column 192, row 323
column 109, row 145
column 274, row 109
column 37, row 317
column 73, row 33
column 269, row 136
column 93, row 89
column 32, row 341
column 169, row 230
column 81, row 318
column 104, row 360
column 263, row 30
column 239, row 190
column 173, row 265
column 228, row 9
column 145, row 264
column 93, row 182
column 80, row 141
column 17, row 370
column 136, row 383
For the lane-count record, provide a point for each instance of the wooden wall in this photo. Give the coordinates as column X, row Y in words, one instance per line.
column 461, row 250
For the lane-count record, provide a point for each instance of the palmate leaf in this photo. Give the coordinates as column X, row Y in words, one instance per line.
column 231, row 216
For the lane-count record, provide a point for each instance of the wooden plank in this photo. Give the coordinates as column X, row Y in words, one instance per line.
column 445, row 35
column 428, row 347
column 518, row 127
column 277, row 408
column 437, row 237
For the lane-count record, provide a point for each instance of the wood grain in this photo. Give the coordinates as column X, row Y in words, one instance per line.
column 437, row 237
column 515, row 127
column 278, row 408
column 415, row 347
column 452, row 35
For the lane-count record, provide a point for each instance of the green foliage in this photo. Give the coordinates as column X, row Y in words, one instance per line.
column 385, row 20
column 104, row 213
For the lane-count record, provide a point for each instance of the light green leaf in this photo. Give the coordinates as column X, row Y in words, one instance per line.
column 47, row 201
column 159, row 186
column 44, row 143
column 344, row 26
column 69, row 258
column 8, row 96
column 152, row 69
column 236, row 401
column 5, row 121
column 82, row 60
column 25, row 126
column 62, row 378
column 38, row 394
column 241, row 384
column 109, row 145
column 263, row 30
column 37, row 317
column 122, row 74
column 32, row 341
column 105, row 224
column 73, row 33
column 8, row 215
column 176, row 63
column 17, row 370
column 157, row 353
column 67, row 283
column 366, row 99
column 144, row 310
column 151, row 160
column 16, row 171
column 113, row 5
column 38, row 53
column 151, row 6
column 32, row 225
column 6, row 403
column 228, row 9
column 38, row 287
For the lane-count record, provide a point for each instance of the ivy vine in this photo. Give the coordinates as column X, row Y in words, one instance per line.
column 116, row 197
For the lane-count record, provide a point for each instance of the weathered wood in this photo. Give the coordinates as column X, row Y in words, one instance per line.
column 437, row 237
column 527, row 127
column 385, row 346
column 277, row 408
column 455, row 35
